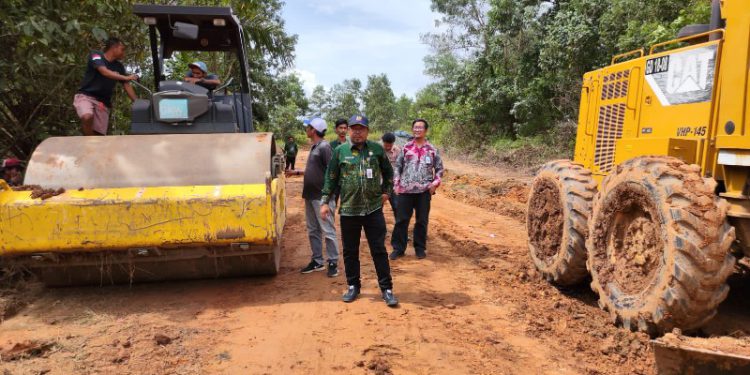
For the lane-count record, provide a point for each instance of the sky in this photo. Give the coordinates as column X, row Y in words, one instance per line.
column 343, row 39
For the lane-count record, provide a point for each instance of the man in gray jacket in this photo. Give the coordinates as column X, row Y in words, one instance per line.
column 318, row 227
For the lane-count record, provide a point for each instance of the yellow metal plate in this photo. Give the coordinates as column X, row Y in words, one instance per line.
column 124, row 218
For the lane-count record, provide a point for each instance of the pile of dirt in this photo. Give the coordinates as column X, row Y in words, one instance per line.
column 39, row 192
column 378, row 359
column 26, row 350
column 571, row 315
column 723, row 344
column 504, row 196
column 17, row 290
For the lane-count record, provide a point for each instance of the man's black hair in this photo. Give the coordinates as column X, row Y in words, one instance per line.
column 320, row 134
column 341, row 121
column 426, row 125
column 111, row 42
column 389, row 138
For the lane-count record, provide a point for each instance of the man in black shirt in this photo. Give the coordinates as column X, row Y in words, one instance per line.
column 94, row 99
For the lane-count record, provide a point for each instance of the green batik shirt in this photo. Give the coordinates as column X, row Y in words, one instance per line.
column 362, row 176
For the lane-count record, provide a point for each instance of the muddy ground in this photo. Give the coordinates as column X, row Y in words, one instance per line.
column 474, row 306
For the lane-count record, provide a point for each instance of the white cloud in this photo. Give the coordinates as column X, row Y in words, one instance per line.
column 342, row 39
column 309, row 81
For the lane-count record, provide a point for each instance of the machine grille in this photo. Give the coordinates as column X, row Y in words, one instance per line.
column 611, row 121
column 612, row 110
column 616, row 85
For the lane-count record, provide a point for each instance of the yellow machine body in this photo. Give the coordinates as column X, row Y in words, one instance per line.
column 133, row 218
column 143, row 205
column 685, row 98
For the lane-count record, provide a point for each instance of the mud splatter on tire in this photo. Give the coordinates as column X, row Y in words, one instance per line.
column 659, row 245
column 557, row 221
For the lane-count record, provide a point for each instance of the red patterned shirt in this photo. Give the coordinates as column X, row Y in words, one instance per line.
column 417, row 169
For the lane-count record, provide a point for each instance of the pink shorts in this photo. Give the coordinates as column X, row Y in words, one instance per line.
column 86, row 105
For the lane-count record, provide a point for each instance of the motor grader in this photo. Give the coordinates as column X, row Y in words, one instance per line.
column 192, row 192
column 658, row 190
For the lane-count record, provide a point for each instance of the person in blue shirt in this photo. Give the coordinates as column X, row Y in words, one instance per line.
column 199, row 75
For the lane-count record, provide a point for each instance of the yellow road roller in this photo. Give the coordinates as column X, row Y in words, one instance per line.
column 191, row 192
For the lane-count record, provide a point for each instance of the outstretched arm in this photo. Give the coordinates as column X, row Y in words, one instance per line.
column 129, row 90
column 114, row 75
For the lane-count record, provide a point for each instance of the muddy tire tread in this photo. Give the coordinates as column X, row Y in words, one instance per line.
column 578, row 187
column 696, row 283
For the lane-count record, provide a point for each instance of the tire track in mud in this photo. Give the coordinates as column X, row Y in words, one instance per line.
column 568, row 320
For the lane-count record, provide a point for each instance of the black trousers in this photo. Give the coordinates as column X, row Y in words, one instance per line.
column 406, row 204
column 392, row 201
column 290, row 162
column 351, row 231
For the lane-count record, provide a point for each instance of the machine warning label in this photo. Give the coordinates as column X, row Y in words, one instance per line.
column 683, row 77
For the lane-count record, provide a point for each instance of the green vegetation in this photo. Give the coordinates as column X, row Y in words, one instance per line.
column 506, row 72
column 43, row 57
column 510, row 70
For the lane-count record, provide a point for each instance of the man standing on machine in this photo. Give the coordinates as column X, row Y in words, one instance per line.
column 94, row 99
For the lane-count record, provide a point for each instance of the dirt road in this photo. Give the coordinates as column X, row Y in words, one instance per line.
column 474, row 306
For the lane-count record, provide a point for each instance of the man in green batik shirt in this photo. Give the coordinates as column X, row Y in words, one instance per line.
column 364, row 176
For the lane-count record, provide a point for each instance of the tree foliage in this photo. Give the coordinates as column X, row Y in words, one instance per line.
column 344, row 100
column 509, row 68
column 44, row 57
column 380, row 102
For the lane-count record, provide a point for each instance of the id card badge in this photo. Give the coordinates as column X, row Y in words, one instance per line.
column 369, row 172
column 427, row 159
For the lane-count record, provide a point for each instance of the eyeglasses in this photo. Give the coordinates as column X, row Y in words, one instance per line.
column 357, row 130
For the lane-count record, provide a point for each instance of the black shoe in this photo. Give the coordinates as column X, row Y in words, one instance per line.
column 312, row 267
column 333, row 269
column 395, row 255
column 421, row 255
column 351, row 294
column 389, row 298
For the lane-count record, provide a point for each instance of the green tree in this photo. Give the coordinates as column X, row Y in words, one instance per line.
column 292, row 104
column 345, row 99
column 513, row 67
column 403, row 111
column 284, row 120
column 44, row 54
column 319, row 101
column 380, row 102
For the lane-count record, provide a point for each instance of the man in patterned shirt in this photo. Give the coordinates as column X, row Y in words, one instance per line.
column 362, row 173
column 417, row 175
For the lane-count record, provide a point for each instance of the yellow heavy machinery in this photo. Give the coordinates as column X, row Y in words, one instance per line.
column 191, row 193
column 657, row 198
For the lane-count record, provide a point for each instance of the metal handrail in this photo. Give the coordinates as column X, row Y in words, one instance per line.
column 143, row 87
column 684, row 39
column 640, row 53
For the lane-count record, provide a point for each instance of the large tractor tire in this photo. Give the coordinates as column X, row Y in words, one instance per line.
column 659, row 246
column 557, row 221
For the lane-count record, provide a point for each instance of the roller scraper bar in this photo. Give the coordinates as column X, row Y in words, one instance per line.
column 151, row 160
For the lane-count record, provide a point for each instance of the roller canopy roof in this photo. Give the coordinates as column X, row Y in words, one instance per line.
column 210, row 36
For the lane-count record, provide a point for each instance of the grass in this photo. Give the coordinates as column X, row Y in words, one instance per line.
column 526, row 153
